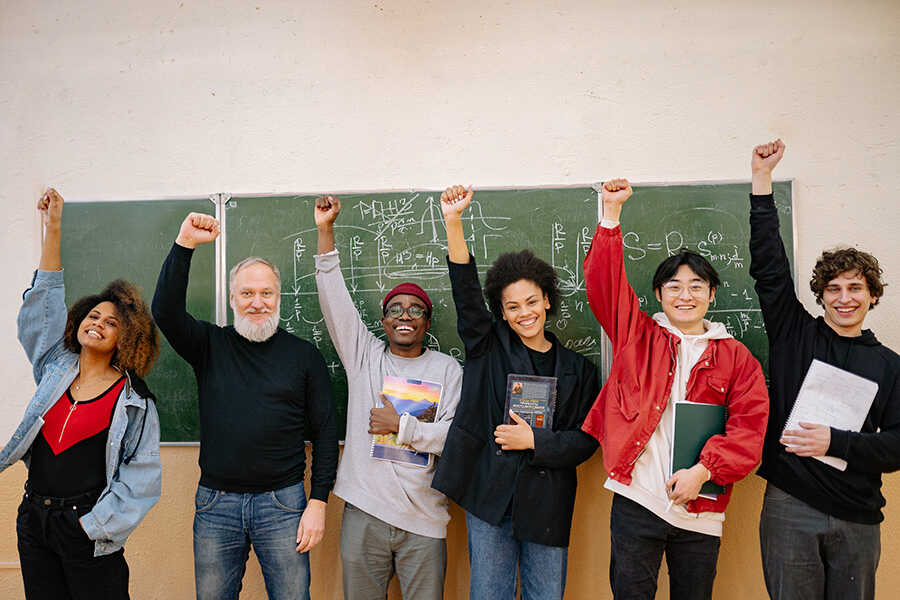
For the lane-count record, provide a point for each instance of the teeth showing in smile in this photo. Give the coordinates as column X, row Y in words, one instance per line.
column 403, row 329
column 528, row 322
column 94, row 334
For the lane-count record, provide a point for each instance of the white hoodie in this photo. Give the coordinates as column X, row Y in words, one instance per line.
column 651, row 471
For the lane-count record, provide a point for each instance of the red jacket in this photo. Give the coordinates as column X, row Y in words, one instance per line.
column 630, row 405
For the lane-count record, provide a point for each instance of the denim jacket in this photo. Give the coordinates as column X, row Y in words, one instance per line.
column 133, row 469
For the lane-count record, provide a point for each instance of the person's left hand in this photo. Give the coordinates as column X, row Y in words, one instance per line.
column 384, row 420
column 811, row 440
column 684, row 485
column 515, row 437
column 312, row 526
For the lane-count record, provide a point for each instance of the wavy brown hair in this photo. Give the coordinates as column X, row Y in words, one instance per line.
column 842, row 260
column 138, row 344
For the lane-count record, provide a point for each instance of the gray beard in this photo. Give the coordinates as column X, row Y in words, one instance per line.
column 257, row 333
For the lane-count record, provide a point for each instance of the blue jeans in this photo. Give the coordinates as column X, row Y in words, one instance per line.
column 808, row 554
column 227, row 524
column 494, row 555
column 638, row 539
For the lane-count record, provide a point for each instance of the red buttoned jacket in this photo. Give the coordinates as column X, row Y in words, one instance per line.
column 630, row 405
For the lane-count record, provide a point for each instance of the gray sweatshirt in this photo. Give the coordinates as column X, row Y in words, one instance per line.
column 396, row 493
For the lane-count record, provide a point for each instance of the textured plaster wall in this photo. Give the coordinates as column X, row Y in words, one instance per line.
column 126, row 99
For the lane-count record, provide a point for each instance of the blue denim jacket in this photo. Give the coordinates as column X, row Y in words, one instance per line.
column 133, row 469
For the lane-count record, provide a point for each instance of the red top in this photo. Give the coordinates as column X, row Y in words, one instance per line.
column 630, row 405
column 69, row 422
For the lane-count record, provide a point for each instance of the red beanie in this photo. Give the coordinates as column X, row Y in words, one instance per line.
column 411, row 289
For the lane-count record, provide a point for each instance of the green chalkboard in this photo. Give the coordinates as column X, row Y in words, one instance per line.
column 102, row 241
column 713, row 220
column 387, row 238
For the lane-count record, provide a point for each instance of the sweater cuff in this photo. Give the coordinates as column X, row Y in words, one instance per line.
column 318, row 492
column 407, row 429
column 466, row 268
column 840, row 443
column 182, row 252
column 327, row 261
column 762, row 201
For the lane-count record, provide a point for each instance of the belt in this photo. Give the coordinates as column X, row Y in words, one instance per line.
column 84, row 500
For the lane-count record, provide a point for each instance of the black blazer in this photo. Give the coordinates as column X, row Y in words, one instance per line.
column 473, row 471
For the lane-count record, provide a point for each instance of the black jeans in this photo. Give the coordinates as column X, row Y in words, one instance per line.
column 809, row 555
column 638, row 540
column 57, row 557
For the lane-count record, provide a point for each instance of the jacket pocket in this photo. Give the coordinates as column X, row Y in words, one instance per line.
column 712, row 391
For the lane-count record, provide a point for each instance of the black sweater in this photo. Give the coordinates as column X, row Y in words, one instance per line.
column 473, row 470
column 795, row 339
column 255, row 398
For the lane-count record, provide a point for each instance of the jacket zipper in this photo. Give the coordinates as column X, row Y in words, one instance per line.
column 66, row 422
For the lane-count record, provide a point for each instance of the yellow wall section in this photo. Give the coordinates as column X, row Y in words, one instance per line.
column 160, row 553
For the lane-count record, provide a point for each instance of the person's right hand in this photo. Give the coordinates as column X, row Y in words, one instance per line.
column 327, row 210
column 51, row 205
column 616, row 192
column 196, row 229
column 454, row 200
column 766, row 156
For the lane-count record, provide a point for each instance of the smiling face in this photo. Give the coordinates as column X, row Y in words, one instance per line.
column 405, row 333
column 255, row 301
column 685, row 298
column 99, row 330
column 525, row 308
column 847, row 301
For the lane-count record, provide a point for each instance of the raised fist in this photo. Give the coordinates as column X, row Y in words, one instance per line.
column 327, row 209
column 51, row 205
column 196, row 229
column 766, row 156
column 455, row 199
column 616, row 191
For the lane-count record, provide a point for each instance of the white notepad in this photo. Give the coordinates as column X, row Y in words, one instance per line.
column 833, row 397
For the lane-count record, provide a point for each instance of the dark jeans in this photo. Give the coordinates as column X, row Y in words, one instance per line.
column 808, row 554
column 638, row 540
column 57, row 557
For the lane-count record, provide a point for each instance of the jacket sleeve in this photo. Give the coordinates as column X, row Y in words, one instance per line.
column 611, row 298
column 781, row 310
column 42, row 320
column 134, row 488
column 349, row 334
column 185, row 333
column 569, row 447
column 872, row 452
column 732, row 456
column 430, row 437
column 473, row 319
column 320, row 410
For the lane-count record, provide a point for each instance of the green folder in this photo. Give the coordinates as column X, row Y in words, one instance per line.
column 694, row 424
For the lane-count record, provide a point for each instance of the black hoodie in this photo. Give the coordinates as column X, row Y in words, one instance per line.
column 795, row 339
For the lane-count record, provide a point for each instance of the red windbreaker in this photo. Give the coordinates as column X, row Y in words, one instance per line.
column 630, row 405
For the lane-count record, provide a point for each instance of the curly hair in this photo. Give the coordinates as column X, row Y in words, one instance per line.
column 138, row 344
column 516, row 266
column 846, row 260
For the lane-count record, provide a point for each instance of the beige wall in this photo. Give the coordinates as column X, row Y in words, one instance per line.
column 112, row 99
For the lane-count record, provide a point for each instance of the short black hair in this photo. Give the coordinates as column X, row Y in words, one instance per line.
column 696, row 263
column 516, row 266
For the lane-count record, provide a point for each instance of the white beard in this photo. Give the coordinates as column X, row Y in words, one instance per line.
column 257, row 332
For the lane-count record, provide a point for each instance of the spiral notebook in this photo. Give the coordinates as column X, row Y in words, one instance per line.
column 833, row 397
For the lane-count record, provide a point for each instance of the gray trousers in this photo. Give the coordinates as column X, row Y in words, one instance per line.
column 372, row 551
column 809, row 555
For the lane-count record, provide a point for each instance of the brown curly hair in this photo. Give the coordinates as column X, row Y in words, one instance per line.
column 138, row 344
column 842, row 260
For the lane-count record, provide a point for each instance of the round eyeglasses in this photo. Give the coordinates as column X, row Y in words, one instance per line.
column 394, row 311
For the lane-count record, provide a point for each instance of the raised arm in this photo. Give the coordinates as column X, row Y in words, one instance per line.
column 769, row 264
column 473, row 319
column 610, row 297
column 42, row 318
column 169, row 307
column 349, row 334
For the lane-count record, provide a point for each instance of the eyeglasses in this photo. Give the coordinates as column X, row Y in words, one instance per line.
column 394, row 311
column 698, row 290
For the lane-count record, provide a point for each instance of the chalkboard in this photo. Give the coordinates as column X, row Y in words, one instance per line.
column 102, row 241
column 390, row 237
column 387, row 238
column 713, row 220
